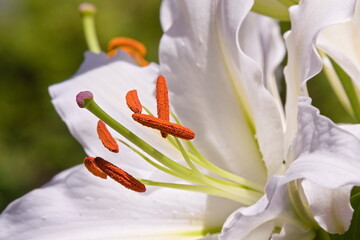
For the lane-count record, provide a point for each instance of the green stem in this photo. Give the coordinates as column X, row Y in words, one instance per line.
column 244, row 196
column 322, row 235
column 202, row 161
column 349, row 89
column 193, row 188
column 162, row 168
column 287, row 3
column 188, row 157
column 335, row 83
column 88, row 18
column 300, row 205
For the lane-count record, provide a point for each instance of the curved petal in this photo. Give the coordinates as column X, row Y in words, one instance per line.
column 76, row 205
column 322, row 151
column 260, row 39
column 109, row 79
column 331, row 208
column 217, row 90
column 329, row 158
column 272, row 210
column 341, row 42
column 307, row 20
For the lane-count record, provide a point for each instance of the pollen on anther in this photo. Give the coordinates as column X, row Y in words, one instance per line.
column 133, row 102
column 93, row 168
column 120, row 175
column 164, row 126
column 162, row 99
column 105, row 136
column 134, row 48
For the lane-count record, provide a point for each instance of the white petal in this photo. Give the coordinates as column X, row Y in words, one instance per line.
column 341, row 42
column 109, row 79
column 216, row 88
column 260, row 39
column 307, row 20
column 323, row 151
column 351, row 128
column 77, row 205
column 329, row 158
column 331, row 207
column 272, row 210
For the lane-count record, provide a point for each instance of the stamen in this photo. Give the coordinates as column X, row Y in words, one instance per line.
column 133, row 102
column 164, row 126
column 94, row 108
column 120, row 175
column 134, row 48
column 105, row 136
column 162, row 99
column 93, row 168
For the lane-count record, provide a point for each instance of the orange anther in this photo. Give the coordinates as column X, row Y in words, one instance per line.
column 93, row 168
column 108, row 141
column 133, row 102
column 134, row 48
column 120, row 175
column 162, row 99
column 164, row 126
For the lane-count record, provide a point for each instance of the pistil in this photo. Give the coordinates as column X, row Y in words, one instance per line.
column 88, row 12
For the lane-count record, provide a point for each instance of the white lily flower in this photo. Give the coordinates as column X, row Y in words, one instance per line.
column 220, row 63
column 318, row 200
column 215, row 85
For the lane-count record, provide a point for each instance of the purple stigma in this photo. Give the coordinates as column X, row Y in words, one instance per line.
column 82, row 96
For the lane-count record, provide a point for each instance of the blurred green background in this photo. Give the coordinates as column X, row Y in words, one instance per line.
column 41, row 44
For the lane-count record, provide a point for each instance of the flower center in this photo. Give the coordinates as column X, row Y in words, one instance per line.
column 202, row 175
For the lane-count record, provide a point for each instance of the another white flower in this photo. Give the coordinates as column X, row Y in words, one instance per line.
column 315, row 190
column 341, row 42
column 319, row 157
